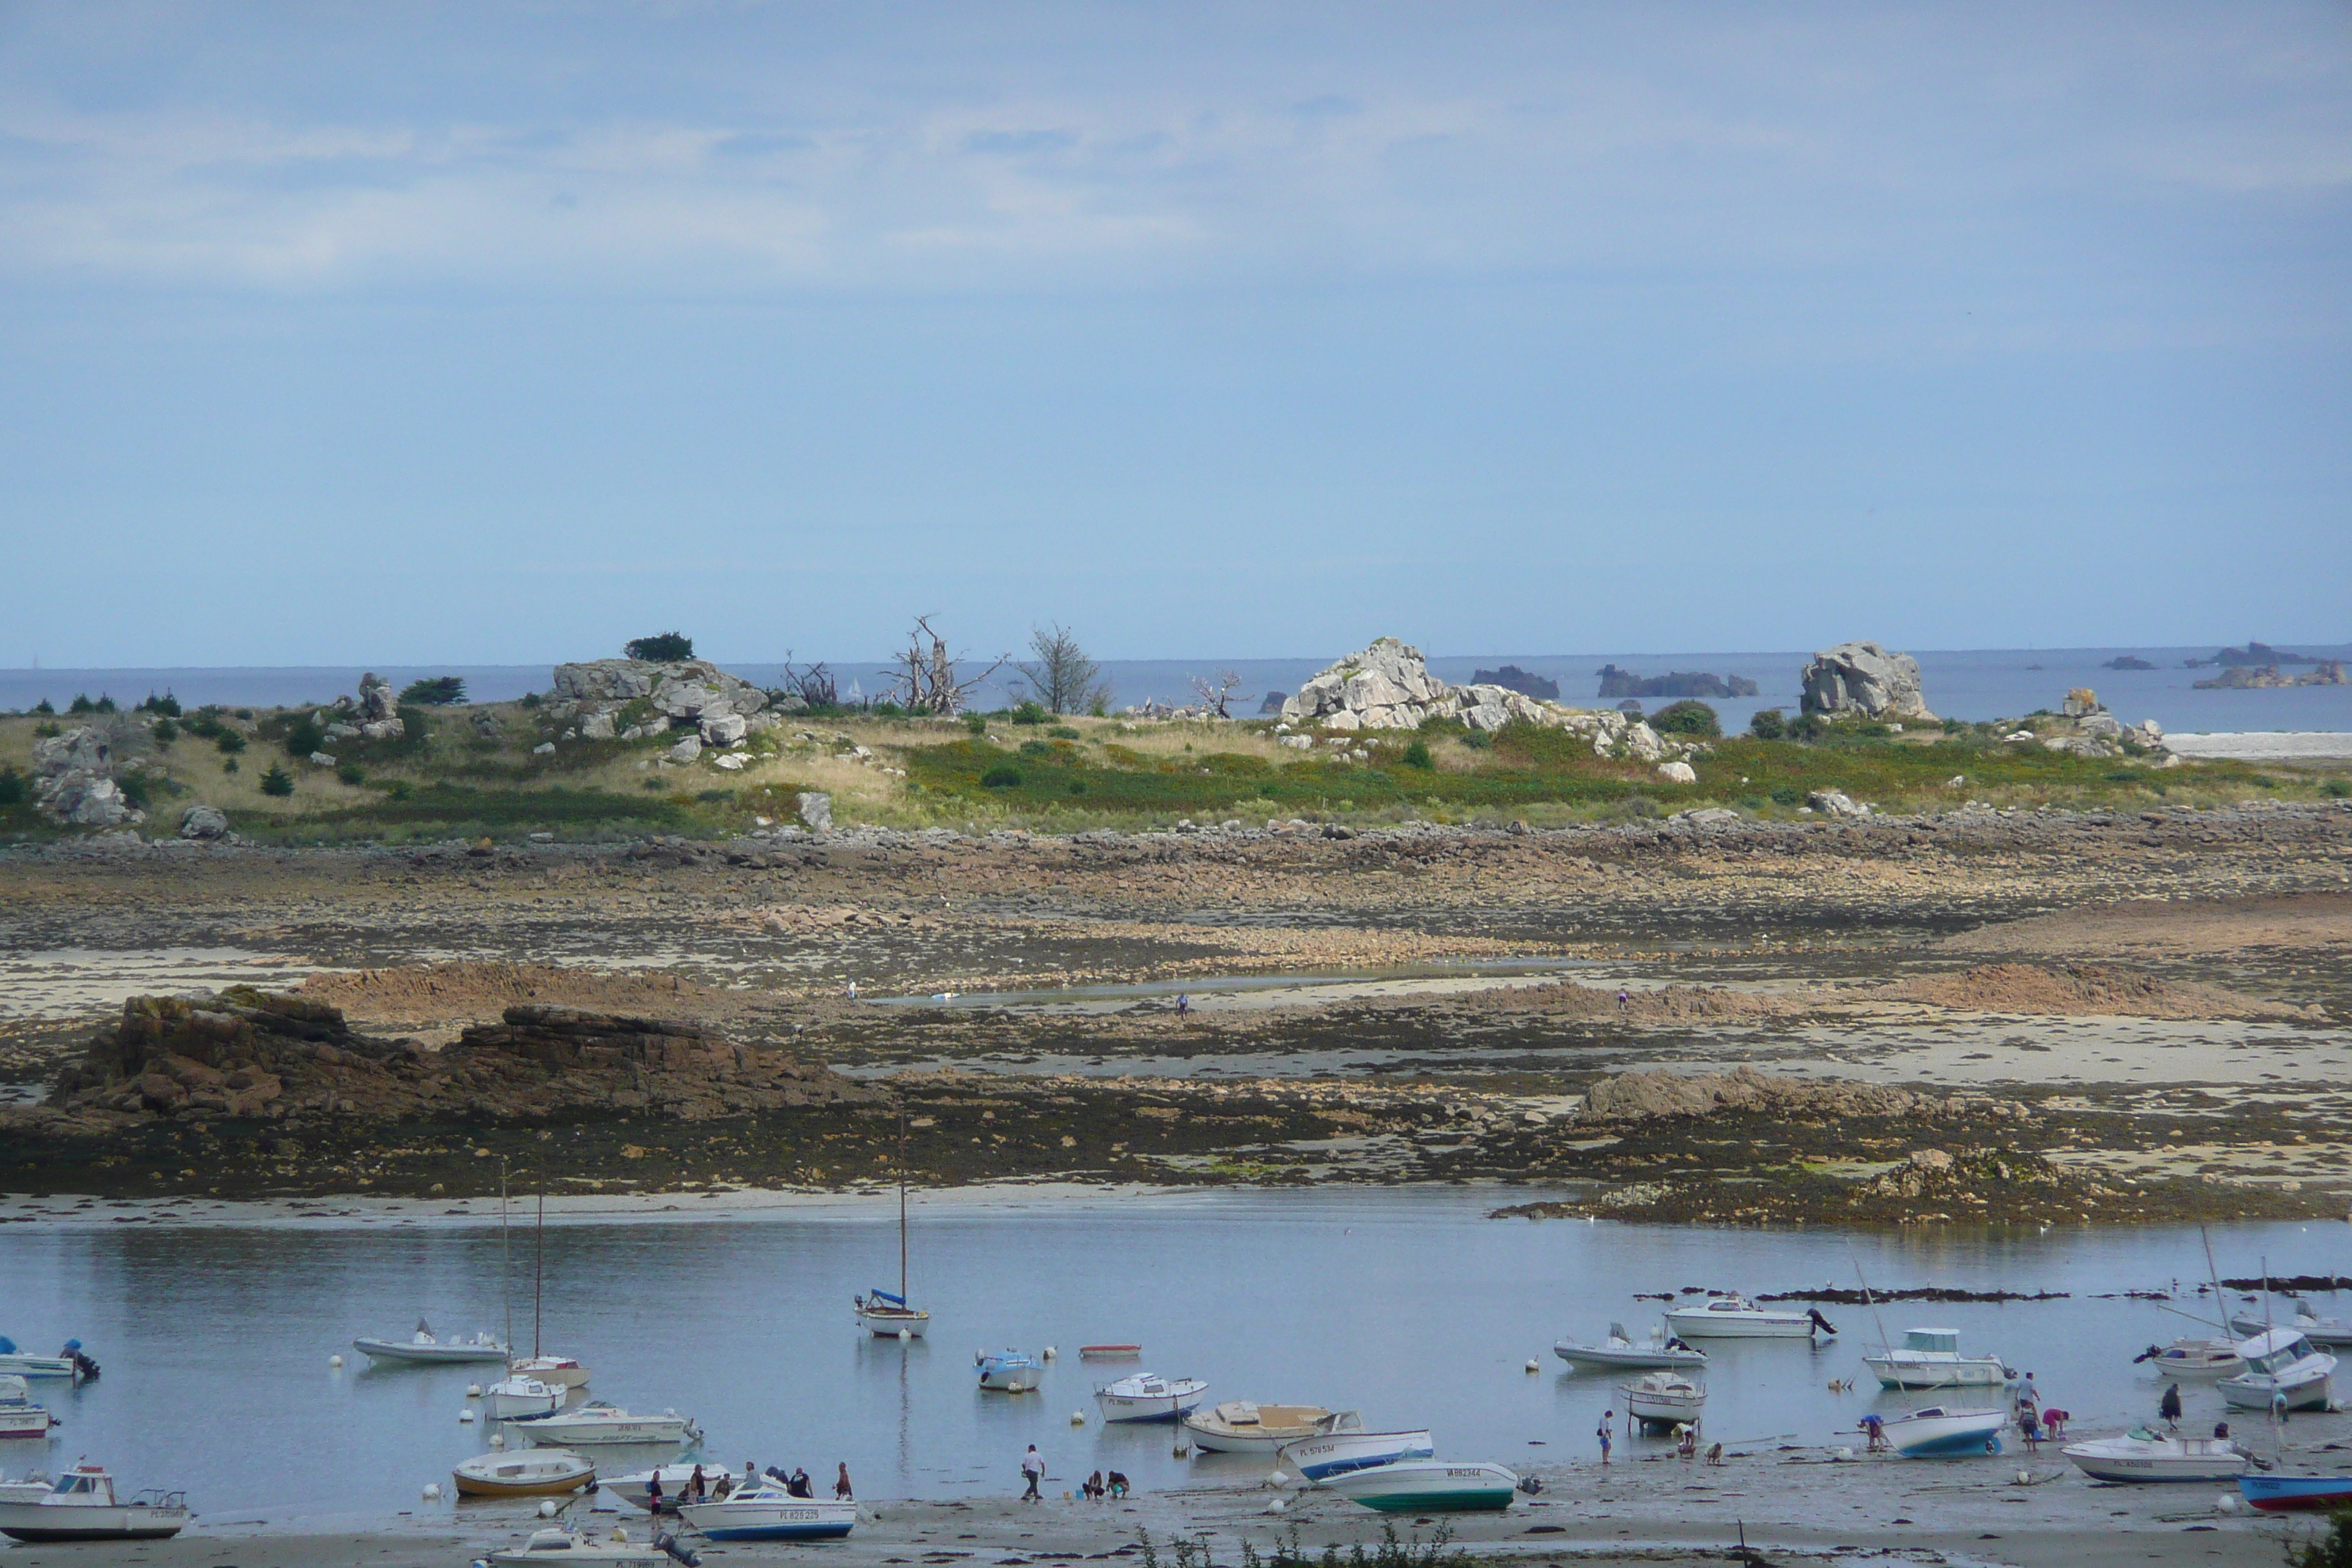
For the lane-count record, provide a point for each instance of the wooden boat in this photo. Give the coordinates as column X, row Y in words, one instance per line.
column 770, row 1513
column 536, row 1472
column 2281, row 1365
column 1242, row 1426
column 1931, row 1358
column 1734, row 1317
column 1340, row 1453
column 2283, row 1494
column 422, row 1349
column 1428, row 1486
column 561, row 1545
column 1148, row 1397
column 2143, row 1455
column 1663, row 1399
column 20, row 1416
column 1620, row 1352
column 81, row 1505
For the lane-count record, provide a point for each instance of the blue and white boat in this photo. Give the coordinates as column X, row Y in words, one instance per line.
column 770, row 1513
column 1008, row 1371
column 1341, row 1452
column 1149, row 1397
column 2283, row 1494
column 69, row 1362
column 1937, row 1433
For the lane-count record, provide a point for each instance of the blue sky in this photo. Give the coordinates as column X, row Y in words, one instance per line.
column 481, row 333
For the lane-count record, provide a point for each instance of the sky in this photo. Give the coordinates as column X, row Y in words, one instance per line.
column 484, row 332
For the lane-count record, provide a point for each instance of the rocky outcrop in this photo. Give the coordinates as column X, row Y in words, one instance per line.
column 1647, row 1096
column 1525, row 682
column 1616, row 682
column 721, row 708
column 2247, row 678
column 204, row 822
column 73, row 780
column 817, row 811
column 1863, row 679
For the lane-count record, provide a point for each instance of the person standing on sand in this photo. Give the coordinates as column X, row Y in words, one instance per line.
column 1184, row 1007
column 841, row 1492
column 1032, row 1468
column 1601, row 1432
column 2169, row 1407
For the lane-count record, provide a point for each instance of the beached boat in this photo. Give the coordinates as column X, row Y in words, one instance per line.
column 511, row 1397
column 1148, row 1397
column 422, row 1349
column 1620, row 1352
column 614, row 1551
column 20, row 1416
column 555, row 1370
column 2281, row 1365
column 1244, row 1426
column 2193, row 1358
column 81, row 1505
column 597, row 1422
column 69, row 1362
column 2301, row 1316
column 1737, row 1317
column 541, row 1472
column 1340, row 1453
column 770, row 1513
column 1931, row 1358
column 2284, row 1494
column 1008, row 1371
column 1428, row 1486
column 1109, row 1352
column 1664, row 1398
column 2144, row 1454
column 675, row 1478
column 1935, row 1433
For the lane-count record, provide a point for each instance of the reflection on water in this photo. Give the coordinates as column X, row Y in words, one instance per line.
column 1406, row 1305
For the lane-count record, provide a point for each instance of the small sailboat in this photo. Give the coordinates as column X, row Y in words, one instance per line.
column 1149, row 1397
column 561, row 1373
column 2144, row 1454
column 1734, row 1317
column 567, row 1545
column 510, row 1397
column 770, row 1513
column 878, row 1310
column 422, row 1349
column 20, row 1416
column 2193, row 1358
column 1931, row 1358
column 81, row 1505
column 555, row 1370
column 1244, row 1427
column 2281, row 1365
column 1663, row 1399
column 1620, row 1352
column 1008, row 1371
column 1320, row 1459
column 540, row 1472
column 1428, row 1486
column 1935, row 1433
column 597, row 1422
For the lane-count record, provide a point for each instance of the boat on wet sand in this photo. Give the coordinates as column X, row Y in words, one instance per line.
column 1734, row 1317
column 770, row 1513
column 2145, row 1455
column 81, row 1505
column 1663, row 1399
column 1937, row 1433
column 2282, row 1367
column 2284, row 1494
column 1428, row 1486
column 1244, row 1426
column 1931, row 1358
column 1149, row 1397
column 2193, row 1358
column 540, row 1472
column 614, row 1549
column 1340, row 1453
column 1620, row 1351
column 675, row 1478
column 597, row 1422
column 422, row 1349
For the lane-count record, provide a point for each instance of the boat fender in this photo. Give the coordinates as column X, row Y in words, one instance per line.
column 1535, row 1366
column 547, row 1508
column 497, row 1439
column 905, row 1334
column 433, row 1492
column 464, row 1419
column 473, row 1391
column 1078, row 1418
column 334, row 1361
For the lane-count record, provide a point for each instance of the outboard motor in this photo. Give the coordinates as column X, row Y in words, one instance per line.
column 685, row 1555
column 1531, row 1485
column 2152, row 1352
column 1821, row 1324
column 83, row 1367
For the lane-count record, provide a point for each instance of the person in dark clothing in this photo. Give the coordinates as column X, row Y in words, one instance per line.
column 2169, row 1406
column 841, row 1484
column 1117, row 1485
column 653, row 1494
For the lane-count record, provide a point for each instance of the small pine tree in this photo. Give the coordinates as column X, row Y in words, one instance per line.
column 1417, row 755
column 276, row 782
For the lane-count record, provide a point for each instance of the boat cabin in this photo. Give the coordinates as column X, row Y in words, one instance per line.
column 2275, row 1352
column 1933, row 1341
column 86, row 1486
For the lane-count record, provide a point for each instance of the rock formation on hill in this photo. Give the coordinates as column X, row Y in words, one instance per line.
column 1525, row 682
column 73, row 780
column 694, row 693
column 1865, row 680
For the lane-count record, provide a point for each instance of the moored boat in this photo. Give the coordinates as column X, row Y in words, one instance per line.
column 2300, row 1314
column 1428, row 1486
column 422, row 1348
column 1935, row 1433
column 1244, row 1427
column 1109, row 1352
column 1149, row 1397
column 597, row 1422
column 1621, row 1351
column 540, row 1472
column 81, row 1505
column 2282, row 1367
column 2144, row 1454
column 883, row 1313
column 1008, row 1371
column 2193, row 1358
column 19, row 1416
column 615, row 1550
column 1931, row 1358
column 69, row 1362
column 2283, row 1494
column 1734, row 1317
column 555, row 1370
column 1664, row 1398
column 511, row 1397
column 770, row 1513
column 1341, row 1452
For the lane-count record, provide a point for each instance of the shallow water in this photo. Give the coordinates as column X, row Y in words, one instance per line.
column 1409, row 1306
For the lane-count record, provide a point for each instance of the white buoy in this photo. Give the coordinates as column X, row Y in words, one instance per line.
column 473, row 1391
column 1535, row 1366
column 497, row 1439
column 1078, row 1418
column 433, row 1492
column 547, row 1508
column 1049, row 1353
column 2227, row 1502
column 1277, row 1505
column 464, row 1417
column 334, row 1361
column 1845, row 1453
column 1280, row 1478
column 906, row 1334
column 2025, row 1478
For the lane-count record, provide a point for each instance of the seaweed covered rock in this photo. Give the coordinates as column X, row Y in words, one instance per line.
column 1645, row 1096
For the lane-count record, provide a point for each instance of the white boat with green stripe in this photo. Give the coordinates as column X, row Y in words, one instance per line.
column 1428, row 1486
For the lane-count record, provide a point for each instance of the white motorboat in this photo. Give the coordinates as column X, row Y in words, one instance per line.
column 1931, row 1358
column 636, row 1491
column 1244, row 1426
column 2193, row 1358
column 69, row 1362
column 422, row 1348
column 1620, row 1352
column 2282, row 1364
column 770, row 1513
column 1008, row 1371
column 1935, row 1433
column 614, row 1549
column 81, row 1505
column 597, row 1422
column 1428, row 1486
column 1320, row 1459
column 20, row 1416
column 1663, row 1399
column 510, row 1397
column 2300, row 1315
column 2141, row 1455
column 540, row 1472
column 555, row 1370
column 1737, row 1317
column 1149, row 1397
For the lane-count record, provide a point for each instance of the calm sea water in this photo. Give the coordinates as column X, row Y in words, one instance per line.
column 1406, row 1305
column 1965, row 684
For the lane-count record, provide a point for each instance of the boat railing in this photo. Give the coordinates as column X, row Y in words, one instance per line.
column 157, row 1498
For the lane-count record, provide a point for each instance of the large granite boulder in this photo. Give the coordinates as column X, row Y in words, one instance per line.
column 692, row 693
column 204, row 822
column 1863, row 679
column 73, row 780
column 375, row 704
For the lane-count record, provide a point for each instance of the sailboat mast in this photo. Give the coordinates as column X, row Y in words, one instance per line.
column 539, row 1262
column 902, row 1204
column 505, row 1266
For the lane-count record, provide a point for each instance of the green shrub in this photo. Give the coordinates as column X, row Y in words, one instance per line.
column 398, row 790
column 1687, row 718
column 669, row 647
column 351, row 774
column 49, row 732
column 976, row 722
column 1768, row 724
column 1477, row 740
column 13, row 787
column 166, row 704
column 1036, row 748
column 81, row 704
column 1783, row 795
column 228, row 765
column 1807, row 727
column 303, row 737
column 135, row 789
column 2332, row 1550
column 1030, row 713
column 164, row 732
column 2337, row 787
column 1063, row 733
column 1416, row 755
column 1003, row 775
column 43, row 707
column 277, row 782
column 715, row 796
column 531, row 699
column 1077, row 786
column 435, row 690
column 229, row 742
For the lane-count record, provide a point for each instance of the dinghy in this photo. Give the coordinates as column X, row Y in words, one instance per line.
column 20, row 1416
column 2282, row 1364
column 511, row 1397
column 770, row 1513
column 1736, row 1317
column 597, row 1422
column 1931, row 1358
column 2193, row 1358
column 1008, row 1371
column 1935, row 1433
column 1109, row 1352
column 614, row 1551
column 422, row 1349
column 1244, row 1426
column 541, row 1472
column 1663, row 1399
column 1148, row 1397
column 1620, row 1352
column 2284, row 1494
column 1320, row 1459
column 69, row 1362
column 81, row 1505
column 1428, row 1486
column 2143, row 1455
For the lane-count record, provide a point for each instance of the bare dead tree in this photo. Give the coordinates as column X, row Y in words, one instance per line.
column 925, row 679
column 1216, row 692
column 815, row 685
column 1064, row 679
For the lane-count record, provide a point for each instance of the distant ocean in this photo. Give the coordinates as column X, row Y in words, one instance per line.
column 1990, row 683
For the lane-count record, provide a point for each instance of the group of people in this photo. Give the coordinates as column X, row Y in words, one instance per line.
column 1096, row 1488
column 2036, row 1420
column 701, row 1488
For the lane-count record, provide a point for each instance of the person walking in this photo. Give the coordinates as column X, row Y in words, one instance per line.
column 1033, row 1468
column 1601, row 1432
column 841, row 1492
column 2169, row 1407
column 1184, row 1007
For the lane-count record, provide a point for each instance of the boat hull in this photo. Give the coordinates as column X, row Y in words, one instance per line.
column 1429, row 1485
column 526, row 1479
column 1968, row 1371
column 612, row 1554
column 427, row 1355
column 1632, row 1357
column 512, row 1407
column 16, row 1365
column 647, row 1429
column 28, row 1421
column 1664, row 1409
column 2130, row 1463
column 551, row 1371
column 755, row 1520
column 2284, row 1494
column 33, row 1522
column 1320, row 1460
column 1219, row 1432
column 1121, row 1408
column 1704, row 1325
column 2306, row 1393
column 1961, row 1434
column 887, row 1322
